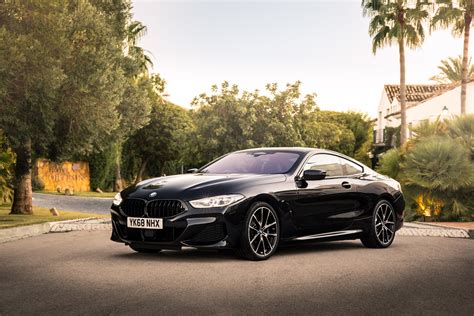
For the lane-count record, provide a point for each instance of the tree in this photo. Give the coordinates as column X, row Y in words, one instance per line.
column 134, row 111
column 397, row 22
column 230, row 119
column 162, row 140
column 60, row 84
column 136, row 103
column 458, row 15
column 356, row 123
column 451, row 71
column 135, row 31
column 328, row 135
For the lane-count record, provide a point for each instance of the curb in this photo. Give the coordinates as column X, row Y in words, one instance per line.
column 470, row 232
column 427, row 230
column 15, row 233
column 10, row 234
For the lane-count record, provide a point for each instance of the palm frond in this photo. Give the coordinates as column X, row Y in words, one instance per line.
column 447, row 16
column 392, row 21
column 451, row 70
column 135, row 31
column 381, row 39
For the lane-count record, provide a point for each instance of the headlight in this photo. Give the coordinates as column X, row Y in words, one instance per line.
column 216, row 201
column 117, row 199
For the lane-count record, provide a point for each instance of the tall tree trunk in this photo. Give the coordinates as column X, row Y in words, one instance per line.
column 118, row 172
column 403, row 92
column 465, row 58
column 142, row 169
column 23, row 195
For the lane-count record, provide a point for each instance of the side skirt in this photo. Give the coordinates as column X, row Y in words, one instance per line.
column 330, row 234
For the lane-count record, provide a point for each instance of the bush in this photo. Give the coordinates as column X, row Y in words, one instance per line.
column 390, row 163
column 436, row 169
column 7, row 160
column 37, row 184
column 439, row 164
column 462, row 129
column 101, row 166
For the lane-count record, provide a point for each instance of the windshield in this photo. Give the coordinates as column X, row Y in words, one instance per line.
column 260, row 162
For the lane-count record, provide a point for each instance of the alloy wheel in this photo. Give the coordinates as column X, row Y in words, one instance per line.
column 263, row 231
column 384, row 223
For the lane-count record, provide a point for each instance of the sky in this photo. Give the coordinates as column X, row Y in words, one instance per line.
column 324, row 44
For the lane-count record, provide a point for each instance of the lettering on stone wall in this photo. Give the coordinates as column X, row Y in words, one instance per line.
column 71, row 175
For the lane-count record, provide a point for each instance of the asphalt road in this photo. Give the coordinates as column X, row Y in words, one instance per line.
column 85, row 273
column 73, row 203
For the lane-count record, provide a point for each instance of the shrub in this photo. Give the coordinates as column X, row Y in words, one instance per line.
column 101, row 166
column 390, row 163
column 462, row 129
column 438, row 175
column 438, row 164
column 436, row 169
column 7, row 160
column 37, row 184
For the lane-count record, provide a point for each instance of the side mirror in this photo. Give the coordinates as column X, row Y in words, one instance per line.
column 314, row 175
column 192, row 170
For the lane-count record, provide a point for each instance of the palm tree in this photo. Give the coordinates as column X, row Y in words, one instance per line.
column 135, row 31
column 451, row 70
column 397, row 22
column 458, row 15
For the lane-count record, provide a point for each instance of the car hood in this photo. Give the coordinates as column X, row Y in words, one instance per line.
column 192, row 186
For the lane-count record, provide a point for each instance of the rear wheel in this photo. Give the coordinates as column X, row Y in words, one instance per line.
column 382, row 227
column 261, row 232
column 144, row 250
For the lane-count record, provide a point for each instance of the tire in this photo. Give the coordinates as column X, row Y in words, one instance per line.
column 144, row 250
column 382, row 226
column 260, row 233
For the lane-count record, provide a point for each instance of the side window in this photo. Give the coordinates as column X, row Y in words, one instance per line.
column 329, row 163
column 350, row 168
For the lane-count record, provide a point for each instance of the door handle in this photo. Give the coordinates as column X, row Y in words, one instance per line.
column 346, row 185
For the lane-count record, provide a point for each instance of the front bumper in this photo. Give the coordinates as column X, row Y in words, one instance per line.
column 203, row 228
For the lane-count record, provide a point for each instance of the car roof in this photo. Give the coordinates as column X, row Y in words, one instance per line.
column 303, row 150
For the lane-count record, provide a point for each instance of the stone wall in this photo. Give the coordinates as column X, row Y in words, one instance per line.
column 62, row 176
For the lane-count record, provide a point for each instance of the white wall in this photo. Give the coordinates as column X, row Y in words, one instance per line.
column 381, row 112
column 432, row 108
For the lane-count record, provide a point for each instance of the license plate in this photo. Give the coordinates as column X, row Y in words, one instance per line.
column 148, row 223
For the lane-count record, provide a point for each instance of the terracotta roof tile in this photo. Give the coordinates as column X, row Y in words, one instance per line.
column 415, row 92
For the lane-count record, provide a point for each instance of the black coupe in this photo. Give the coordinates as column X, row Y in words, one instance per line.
column 253, row 200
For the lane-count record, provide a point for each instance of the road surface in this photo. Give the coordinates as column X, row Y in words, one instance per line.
column 73, row 203
column 85, row 273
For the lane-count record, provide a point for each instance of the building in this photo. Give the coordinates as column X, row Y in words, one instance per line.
column 424, row 103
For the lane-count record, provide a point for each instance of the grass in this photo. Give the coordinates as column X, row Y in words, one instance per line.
column 41, row 215
column 84, row 194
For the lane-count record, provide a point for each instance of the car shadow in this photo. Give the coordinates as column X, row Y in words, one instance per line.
column 208, row 255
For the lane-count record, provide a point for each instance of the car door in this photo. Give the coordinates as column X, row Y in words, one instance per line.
column 321, row 205
column 360, row 181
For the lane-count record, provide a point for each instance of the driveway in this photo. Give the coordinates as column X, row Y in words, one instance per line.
column 73, row 203
column 85, row 273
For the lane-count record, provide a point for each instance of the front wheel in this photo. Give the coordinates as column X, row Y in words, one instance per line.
column 382, row 227
column 261, row 232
